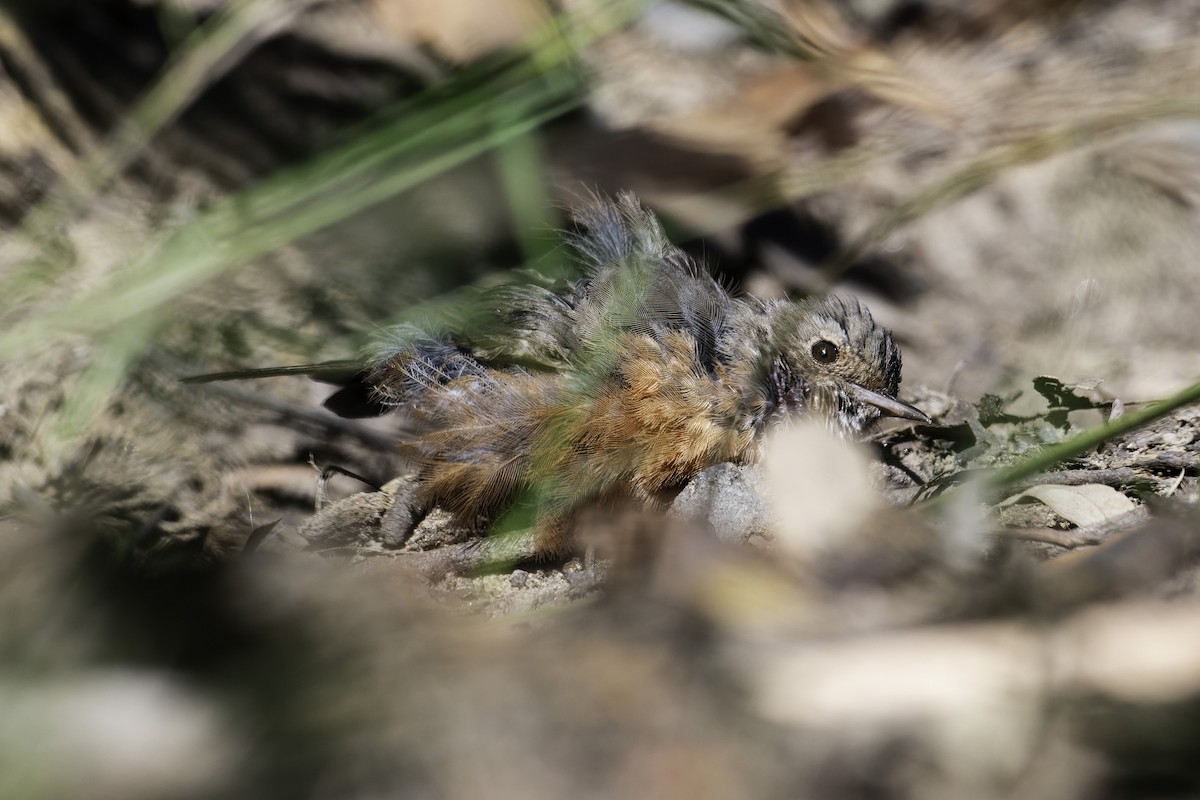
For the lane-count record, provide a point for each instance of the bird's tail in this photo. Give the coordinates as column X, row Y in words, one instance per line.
column 354, row 399
column 326, row 372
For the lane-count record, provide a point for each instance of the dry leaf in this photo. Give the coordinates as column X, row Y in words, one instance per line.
column 1086, row 505
column 460, row 30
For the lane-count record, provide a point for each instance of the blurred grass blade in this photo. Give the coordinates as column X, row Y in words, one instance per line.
column 91, row 389
column 520, row 164
column 994, row 163
column 231, row 234
column 450, row 124
column 1051, row 456
column 816, row 32
column 203, row 57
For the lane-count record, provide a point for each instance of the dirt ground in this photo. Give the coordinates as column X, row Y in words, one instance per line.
column 1011, row 188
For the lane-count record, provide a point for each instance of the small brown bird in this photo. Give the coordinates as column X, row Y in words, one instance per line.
column 628, row 381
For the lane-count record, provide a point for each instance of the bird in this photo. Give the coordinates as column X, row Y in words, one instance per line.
column 624, row 382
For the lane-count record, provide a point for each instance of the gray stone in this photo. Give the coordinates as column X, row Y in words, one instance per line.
column 732, row 499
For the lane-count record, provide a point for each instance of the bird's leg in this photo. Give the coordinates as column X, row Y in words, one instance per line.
column 547, row 540
column 403, row 515
column 484, row 555
column 525, row 533
column 550, row 540
column 389, row 515
column 552, row 534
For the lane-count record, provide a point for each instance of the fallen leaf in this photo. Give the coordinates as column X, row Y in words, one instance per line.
column 1089, row 504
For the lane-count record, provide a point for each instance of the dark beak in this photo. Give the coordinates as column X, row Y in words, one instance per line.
column 888, row 405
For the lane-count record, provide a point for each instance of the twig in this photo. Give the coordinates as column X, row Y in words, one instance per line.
column 1069, row 539
column 985, row 169
column 1116, row 477
column 1044, row 460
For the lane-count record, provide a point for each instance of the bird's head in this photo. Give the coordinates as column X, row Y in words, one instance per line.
column 832, row 361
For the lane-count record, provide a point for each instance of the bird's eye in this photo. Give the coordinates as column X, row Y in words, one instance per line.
column 825, row 352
